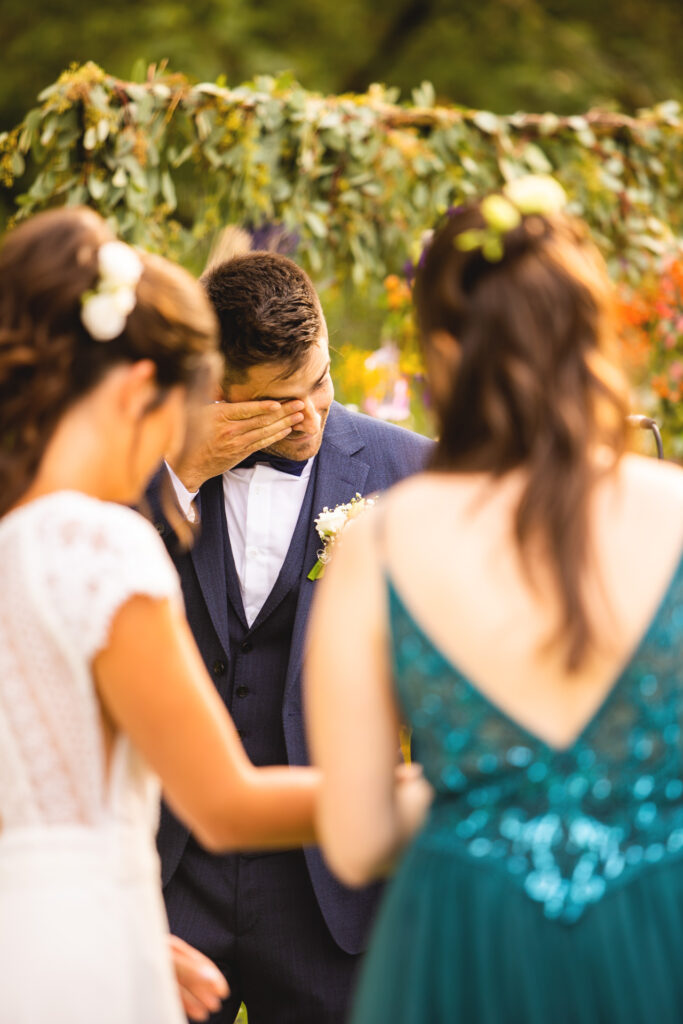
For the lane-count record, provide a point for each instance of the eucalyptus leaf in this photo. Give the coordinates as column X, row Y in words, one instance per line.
column 17, row 163
column 96, row 187
column 424, row 95
column 168, row 190
column 119, row 178
column 486, row 122
column 316, row 224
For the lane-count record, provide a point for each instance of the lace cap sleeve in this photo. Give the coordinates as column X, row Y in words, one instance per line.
column 95, row 556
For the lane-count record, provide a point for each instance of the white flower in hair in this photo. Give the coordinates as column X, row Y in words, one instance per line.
column 536, row 193
column 119, row 265
column 102, row 317
column 105, row 310
column 124, row 299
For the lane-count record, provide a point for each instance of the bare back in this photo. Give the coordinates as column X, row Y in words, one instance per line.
column 461, row 578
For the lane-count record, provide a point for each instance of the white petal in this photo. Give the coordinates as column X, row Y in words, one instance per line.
column 101, row 317
column 536, row 193
column 124, row 299
column 330, row 523
column 119, row 264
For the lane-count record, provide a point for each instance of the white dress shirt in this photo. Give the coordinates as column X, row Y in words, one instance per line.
column 262, row 506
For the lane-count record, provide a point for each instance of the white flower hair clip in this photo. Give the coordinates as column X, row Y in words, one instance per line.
column 502, row 212
column 104, row 310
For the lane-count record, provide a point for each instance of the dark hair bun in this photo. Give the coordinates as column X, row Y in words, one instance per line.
column 48, row 360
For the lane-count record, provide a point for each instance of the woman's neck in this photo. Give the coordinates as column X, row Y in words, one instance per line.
column 85, row 454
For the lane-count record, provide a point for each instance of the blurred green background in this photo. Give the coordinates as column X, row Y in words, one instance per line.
column 501, row 55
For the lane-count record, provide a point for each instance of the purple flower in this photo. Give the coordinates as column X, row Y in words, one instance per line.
column 274, row 238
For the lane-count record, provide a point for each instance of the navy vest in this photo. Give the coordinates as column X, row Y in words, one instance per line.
column 259, row 654
column 251, row 682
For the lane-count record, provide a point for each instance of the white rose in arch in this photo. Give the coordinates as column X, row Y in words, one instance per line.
column 102, row 316
column 119, row 265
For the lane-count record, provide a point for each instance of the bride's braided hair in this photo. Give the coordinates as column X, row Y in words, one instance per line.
column 47, row 358
column 533, row 387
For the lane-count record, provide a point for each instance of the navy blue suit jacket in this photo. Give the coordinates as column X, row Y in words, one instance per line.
column 358, row 455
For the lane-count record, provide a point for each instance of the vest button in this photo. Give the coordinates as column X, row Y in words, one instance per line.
column 246, row 646
column 242, row 691
column 218, row 668
column 160, row 528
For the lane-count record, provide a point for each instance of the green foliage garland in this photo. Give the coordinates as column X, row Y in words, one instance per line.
column 357, row 177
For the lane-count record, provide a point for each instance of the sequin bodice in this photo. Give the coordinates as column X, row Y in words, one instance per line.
column 565, row 825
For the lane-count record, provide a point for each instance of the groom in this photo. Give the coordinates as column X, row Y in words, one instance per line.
column 286, row 934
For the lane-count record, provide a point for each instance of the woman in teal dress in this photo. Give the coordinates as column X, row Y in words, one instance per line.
column 520, row 607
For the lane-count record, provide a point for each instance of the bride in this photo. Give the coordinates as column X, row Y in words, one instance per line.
column 104, row 353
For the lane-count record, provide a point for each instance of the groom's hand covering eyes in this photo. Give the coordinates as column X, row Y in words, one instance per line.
column 229, row 431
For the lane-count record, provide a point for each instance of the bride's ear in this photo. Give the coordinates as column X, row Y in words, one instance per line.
column 137, row 389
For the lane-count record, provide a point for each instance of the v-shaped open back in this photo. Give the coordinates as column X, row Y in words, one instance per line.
column 608, row 691
column 569, row 823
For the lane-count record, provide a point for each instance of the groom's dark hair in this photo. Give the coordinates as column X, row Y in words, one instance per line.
column 267, row 309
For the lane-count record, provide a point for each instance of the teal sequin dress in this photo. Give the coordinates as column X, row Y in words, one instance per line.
column 546, row 886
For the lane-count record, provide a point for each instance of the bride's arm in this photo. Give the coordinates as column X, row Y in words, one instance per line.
column 364, row 814
column 154, row 686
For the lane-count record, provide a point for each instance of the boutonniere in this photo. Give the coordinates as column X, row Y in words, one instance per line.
column 331, row 523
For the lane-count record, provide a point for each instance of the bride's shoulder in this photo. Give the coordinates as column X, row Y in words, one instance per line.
column 67, row 521
column 86, row 558
column 76, row 509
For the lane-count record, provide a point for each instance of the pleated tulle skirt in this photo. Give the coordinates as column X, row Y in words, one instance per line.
column 459, row 943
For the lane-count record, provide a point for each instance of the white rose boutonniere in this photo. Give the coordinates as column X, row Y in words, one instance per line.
column 331, row 523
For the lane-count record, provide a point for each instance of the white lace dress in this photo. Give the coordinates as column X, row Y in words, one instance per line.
column 82, row 922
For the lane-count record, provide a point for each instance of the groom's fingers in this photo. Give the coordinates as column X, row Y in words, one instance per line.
column 241, row 417
column 264, row 410
column 254, row 440
column 228, row 432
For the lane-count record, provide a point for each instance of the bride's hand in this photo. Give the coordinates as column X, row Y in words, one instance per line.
column 413, row 799
column 202, row 986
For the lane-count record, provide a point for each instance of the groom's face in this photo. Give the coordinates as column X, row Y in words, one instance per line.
column 310, row 383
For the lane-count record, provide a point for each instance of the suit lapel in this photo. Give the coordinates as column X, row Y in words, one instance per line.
column 341, row 474
column 207, row 558
column 231, row 577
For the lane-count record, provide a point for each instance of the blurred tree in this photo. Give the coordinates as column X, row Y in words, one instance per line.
column 502, row 55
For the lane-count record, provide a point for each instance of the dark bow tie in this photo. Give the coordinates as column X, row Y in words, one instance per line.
column 292, row 466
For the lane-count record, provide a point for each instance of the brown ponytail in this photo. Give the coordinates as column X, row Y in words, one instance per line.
column 47, row 358
column 533, row 388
